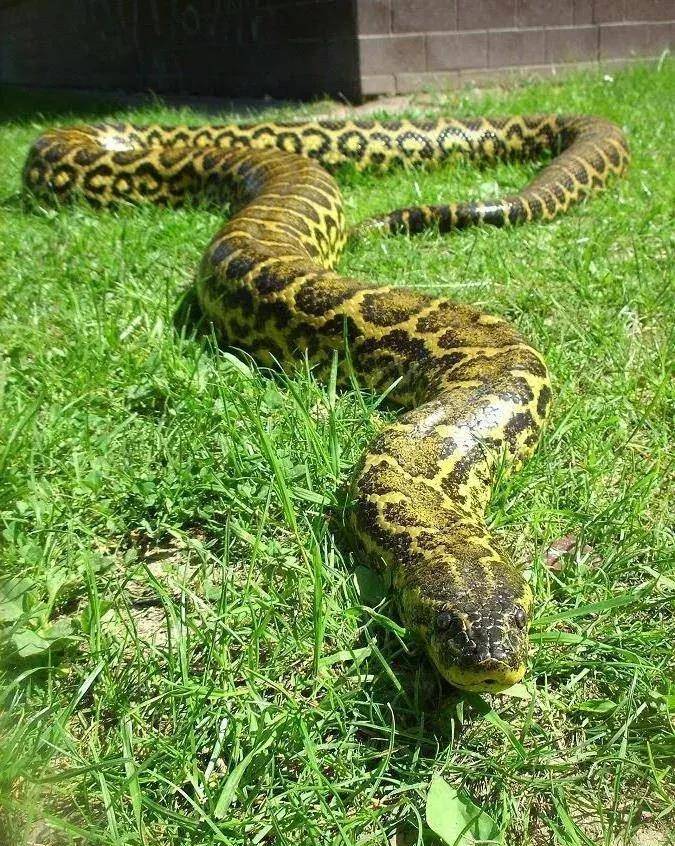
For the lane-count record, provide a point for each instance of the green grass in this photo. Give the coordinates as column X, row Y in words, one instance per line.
column 192, row 655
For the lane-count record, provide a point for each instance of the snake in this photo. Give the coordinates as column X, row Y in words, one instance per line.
column 473, row 394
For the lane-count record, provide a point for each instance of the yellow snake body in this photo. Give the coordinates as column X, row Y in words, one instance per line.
column 475, row 391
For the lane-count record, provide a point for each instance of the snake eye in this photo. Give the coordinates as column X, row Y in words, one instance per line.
column 520, row 618
column 445, row 620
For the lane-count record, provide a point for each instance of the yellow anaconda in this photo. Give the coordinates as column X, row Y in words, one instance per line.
column 475, row 391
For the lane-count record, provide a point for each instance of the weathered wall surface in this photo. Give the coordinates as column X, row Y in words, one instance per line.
column 306, row 48
column 283, row 48
column 406, row 45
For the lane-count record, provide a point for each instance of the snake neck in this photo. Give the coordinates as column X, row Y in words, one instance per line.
column 427, row 479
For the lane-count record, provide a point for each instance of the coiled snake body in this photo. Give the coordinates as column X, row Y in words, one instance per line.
column 476, row 393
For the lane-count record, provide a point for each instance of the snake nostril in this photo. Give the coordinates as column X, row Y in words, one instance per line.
column 520, row 618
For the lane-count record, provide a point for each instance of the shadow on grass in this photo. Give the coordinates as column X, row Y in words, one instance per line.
column 189, row 321
column 20, row 105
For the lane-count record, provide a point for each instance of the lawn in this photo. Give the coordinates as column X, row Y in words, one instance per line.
column 191, row 652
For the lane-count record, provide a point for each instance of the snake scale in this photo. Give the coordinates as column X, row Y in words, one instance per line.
column 476, row 394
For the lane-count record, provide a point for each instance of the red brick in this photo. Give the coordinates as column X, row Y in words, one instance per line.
column 571, row 43
column 545, row 12
column 456, row 50
column 390, row 53
column 373, row 16
column 636, row 39
column 378, row 84
column 608, row 10
column 619, row 64
column 515, row 47
column 651, row 10
column 485, row 14
column 583, row 11
column 409, row 82
column 424, row 15
column 488, row 76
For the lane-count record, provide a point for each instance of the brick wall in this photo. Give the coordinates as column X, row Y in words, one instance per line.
column 234, row 48
column 406, row 45
column 306, row 48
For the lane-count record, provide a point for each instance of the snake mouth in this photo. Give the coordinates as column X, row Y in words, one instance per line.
column 493, row 677
column 487, row 676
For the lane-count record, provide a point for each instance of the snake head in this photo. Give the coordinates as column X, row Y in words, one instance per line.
column 483, row 646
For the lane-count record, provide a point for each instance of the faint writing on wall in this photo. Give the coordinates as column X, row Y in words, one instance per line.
column 233, row 20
